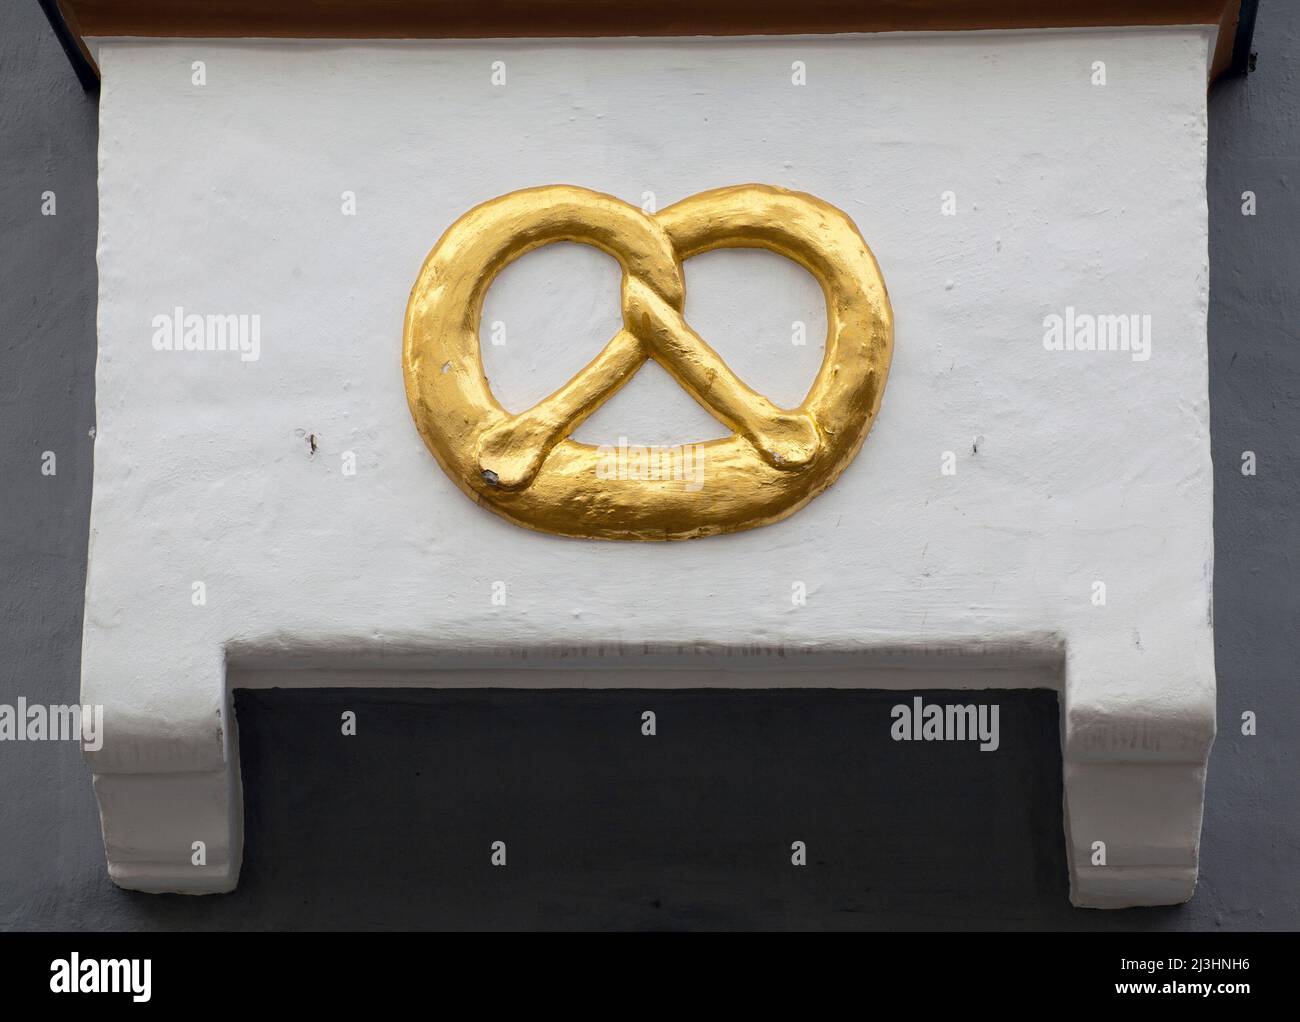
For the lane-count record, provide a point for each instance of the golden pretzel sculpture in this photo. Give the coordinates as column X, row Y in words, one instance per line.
column 526, row 469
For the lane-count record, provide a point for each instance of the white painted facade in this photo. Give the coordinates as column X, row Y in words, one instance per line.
column 1071, row 468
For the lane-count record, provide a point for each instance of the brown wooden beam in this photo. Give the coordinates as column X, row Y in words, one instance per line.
column 465, row 19
column 488, row 18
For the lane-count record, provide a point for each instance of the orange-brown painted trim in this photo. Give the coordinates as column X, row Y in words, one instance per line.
column 1227, row 38
column 490, row 18
column 465, row 19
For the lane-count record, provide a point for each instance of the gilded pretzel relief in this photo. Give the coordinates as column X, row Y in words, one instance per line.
column 527, row 469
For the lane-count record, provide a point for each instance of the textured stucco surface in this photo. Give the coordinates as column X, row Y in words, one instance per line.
column 51, row 845
column 1068, row 466
column 243, row 178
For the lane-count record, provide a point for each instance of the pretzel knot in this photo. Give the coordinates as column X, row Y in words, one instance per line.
column 527, row 469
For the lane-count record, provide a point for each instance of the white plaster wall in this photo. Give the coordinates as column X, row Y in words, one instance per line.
column 1090, row 466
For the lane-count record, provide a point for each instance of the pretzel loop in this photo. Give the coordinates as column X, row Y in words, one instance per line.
column 527, row 469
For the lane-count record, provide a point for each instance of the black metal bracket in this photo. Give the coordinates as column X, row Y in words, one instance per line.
column 73, row 46
column 1243, row 40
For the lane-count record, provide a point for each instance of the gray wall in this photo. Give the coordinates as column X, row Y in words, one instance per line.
column 604, row 831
